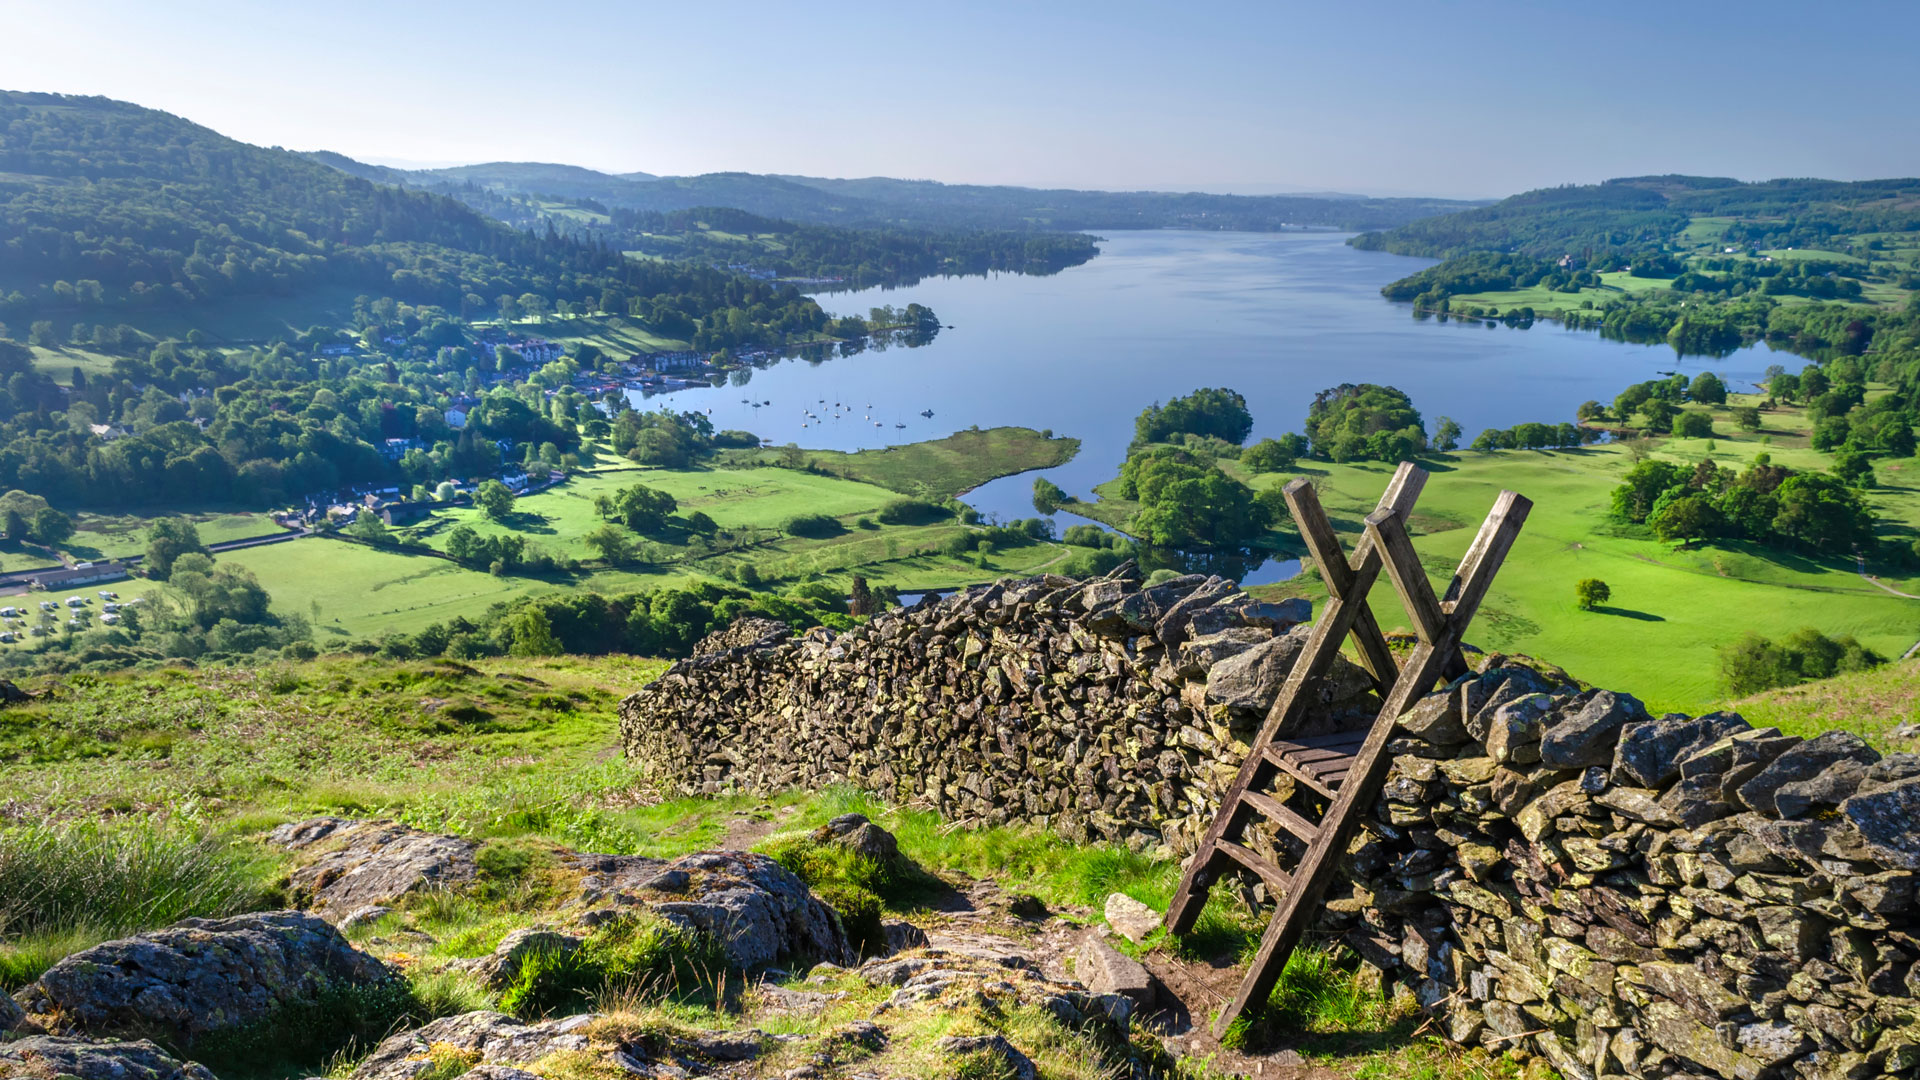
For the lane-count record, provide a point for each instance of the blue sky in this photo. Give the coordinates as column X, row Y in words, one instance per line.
column 1471, row 98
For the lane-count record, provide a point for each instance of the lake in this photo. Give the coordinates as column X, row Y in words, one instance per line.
column 1276, row 316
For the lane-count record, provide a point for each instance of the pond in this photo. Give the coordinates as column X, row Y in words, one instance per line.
column 1276, row 316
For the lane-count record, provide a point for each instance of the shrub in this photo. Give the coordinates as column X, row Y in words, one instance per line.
column 1755, row 663
column 815, row 526
column 913, row 512
column 1693, row 424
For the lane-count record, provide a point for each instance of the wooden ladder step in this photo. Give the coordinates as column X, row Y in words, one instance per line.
column 1315, row 777
column 1278, row 813
column 1277, row 879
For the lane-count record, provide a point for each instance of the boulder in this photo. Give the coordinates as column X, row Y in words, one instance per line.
column 53, row 1057
column 199, row 976
column 1004, row 1059
column 1588, row 735
column 502, row 967
column 756, row 909
column 361, row 863
column 1803, row 763
column 1130, row 918
column 1106, row 970
column 479, row 1039
column 863, row 838
column 13, row 1019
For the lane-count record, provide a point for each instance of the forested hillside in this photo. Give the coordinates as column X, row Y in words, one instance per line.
column 1632, row 214
column 109, row 211
column 1705, row 263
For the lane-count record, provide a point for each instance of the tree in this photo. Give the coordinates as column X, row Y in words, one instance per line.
column 1823, row 513
column 1708, row 389
column 1659, row 414
column 1047, row 495
column 612, row 542
column 532, row 633
column 1747, row 418
column 1591, row 592
column 1643, row 486
column 50, row 527
column 1683, row 517
column 494, row 498
column 1446, row 434
column 1353, row 422
column 1273, row 455
column 1214, row 411
column 643, row 509
column 1590, row 411
column 167, row 540
column 1693, row 424
column 14, row 524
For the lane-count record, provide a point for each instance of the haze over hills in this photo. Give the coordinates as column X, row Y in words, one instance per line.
column 920, row 203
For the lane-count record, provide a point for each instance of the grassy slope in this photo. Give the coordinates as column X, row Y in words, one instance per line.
column 1678, row 605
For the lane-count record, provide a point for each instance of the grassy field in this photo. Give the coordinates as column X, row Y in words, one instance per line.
column 1677, row 605
column 352, row 591
column 100, row 536
column 943, row 468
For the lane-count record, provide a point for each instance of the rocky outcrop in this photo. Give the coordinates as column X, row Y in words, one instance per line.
column 198, row 977
column 465, row 1045
column 1099, row 709
column 52, row 1057
column 359, row 864
column 755, row 908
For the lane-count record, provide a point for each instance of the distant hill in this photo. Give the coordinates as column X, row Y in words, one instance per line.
column 110, row 212
column 881, row 201
column 1639, row 212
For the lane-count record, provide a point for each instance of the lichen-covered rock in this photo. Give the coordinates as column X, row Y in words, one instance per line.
column 501, row 967
column 1888, row 821
column 1649, row 752
column 357, row 864
column 756, row 909
column 51, row 1057
column 199, row 976
column 1587, row 736
column 1800, row 764
column 13, row 1019
column 475, row 1040
column 1004, row 1059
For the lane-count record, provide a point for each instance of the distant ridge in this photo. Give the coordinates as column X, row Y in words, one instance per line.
column 872, row 201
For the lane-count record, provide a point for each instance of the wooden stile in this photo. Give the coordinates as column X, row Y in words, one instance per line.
column 1345, row 768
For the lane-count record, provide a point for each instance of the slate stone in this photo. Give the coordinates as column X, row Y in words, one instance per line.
column 1130, row 918
column 1649, row 752
column 1831, row 787
column 1106, row 970
column 1803, row 762
column 1587, row 737
column 1886, row 820
column 1435, row 718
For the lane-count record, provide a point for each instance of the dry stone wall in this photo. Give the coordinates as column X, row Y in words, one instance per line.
column 1100, row 709
column 1549, row 868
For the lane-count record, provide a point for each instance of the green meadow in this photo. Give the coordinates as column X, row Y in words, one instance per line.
column 1679, row 605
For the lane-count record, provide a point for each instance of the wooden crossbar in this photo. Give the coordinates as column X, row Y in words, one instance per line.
column 1348, row 768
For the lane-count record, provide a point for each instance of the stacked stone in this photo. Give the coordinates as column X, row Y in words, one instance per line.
column 1101, row 709
column 1562, row 873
